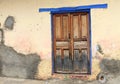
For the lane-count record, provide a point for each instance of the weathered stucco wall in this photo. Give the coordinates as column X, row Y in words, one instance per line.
column 32, row 29
column 29, row 28
column 105, row 27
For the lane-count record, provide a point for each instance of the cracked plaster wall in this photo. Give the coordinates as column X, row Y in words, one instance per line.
column 32, row 30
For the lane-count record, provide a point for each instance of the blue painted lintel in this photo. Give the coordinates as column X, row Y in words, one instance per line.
column 73, row 8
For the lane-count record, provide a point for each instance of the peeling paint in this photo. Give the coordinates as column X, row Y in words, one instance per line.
column 111, row 66
column 17, row 65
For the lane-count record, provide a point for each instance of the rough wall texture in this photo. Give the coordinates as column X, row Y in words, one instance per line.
column 13, row 64
column 32, row 33
column 110, row 66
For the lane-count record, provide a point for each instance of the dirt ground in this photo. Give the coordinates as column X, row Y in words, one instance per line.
column 6, row 80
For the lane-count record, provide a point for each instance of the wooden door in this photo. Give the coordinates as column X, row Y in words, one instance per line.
column 71, row 43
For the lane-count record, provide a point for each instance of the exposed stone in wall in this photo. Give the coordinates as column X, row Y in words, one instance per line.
column 13, row 64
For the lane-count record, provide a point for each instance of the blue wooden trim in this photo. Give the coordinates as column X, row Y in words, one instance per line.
column 72, row 8
column 90, row 29
column 70, row 11
column 52, row 40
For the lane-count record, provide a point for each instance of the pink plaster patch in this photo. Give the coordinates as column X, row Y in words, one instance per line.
column 45, row 55
column 109, row 45
column 41, row 55
column 23, row 44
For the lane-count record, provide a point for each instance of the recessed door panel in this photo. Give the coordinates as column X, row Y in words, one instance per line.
column 75, row 21
column 58, row 27
column 84, row 26
column 58, row 60
column 65, row 27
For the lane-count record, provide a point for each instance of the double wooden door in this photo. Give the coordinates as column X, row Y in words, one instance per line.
column 71, row 42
